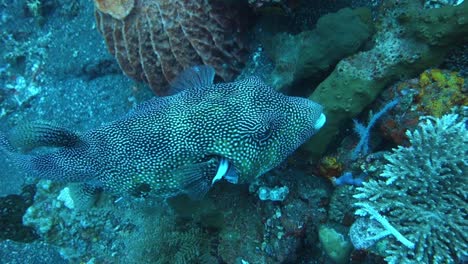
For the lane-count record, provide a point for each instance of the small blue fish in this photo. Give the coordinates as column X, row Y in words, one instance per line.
column 181, row 143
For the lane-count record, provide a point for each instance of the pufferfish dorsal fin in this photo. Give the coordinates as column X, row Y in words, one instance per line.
column 197, row 77
column 42, row 134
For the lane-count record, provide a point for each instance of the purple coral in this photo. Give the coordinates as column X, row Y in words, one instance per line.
column 348, row 178
column 364, row 131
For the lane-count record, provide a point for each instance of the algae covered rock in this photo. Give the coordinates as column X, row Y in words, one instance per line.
column 410, row 40
column 336, row 35
column 336, row 245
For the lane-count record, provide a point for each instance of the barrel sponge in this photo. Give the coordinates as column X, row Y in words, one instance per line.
column 118, row 9
column 154, row 40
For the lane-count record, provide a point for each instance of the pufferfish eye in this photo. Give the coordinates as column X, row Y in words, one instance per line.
column 259, row 131
column 266, row 130
column 263, row 134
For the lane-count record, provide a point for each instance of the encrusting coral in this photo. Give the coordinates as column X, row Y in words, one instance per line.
column 439, row 91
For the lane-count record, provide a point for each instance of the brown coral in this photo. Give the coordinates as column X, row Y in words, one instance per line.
column 160, row 38
column 330, row 166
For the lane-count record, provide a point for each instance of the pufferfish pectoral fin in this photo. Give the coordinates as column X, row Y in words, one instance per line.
column 197, row 77
column 195, row 179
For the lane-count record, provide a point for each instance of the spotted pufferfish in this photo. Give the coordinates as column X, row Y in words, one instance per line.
column 181, row 143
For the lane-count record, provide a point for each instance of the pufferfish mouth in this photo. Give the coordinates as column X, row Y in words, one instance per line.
column 227, row 171
column 320, row 122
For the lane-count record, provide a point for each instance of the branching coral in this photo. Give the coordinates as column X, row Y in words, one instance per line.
column 421, row 196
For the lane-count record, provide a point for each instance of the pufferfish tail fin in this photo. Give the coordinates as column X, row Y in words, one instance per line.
column 12, row 175
column 42, row 134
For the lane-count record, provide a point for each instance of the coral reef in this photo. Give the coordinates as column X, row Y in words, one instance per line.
column 228, row 225
column 263, row 3
column 330, row 167
column 76, row 230
column 39, row 9
column 336, row 245
column 362, row 147
column 153, row 41
column 441, row 3
column 159, row 240
column 339, row 211
column 138, row 232
column 409, row 40
column 355, row 160
column 349, row 178
column 273, row 194
column 457, row 60
column 420, row 197
column 439, row 91
column 288, row 215
column 23, row 72
column 11, row 216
